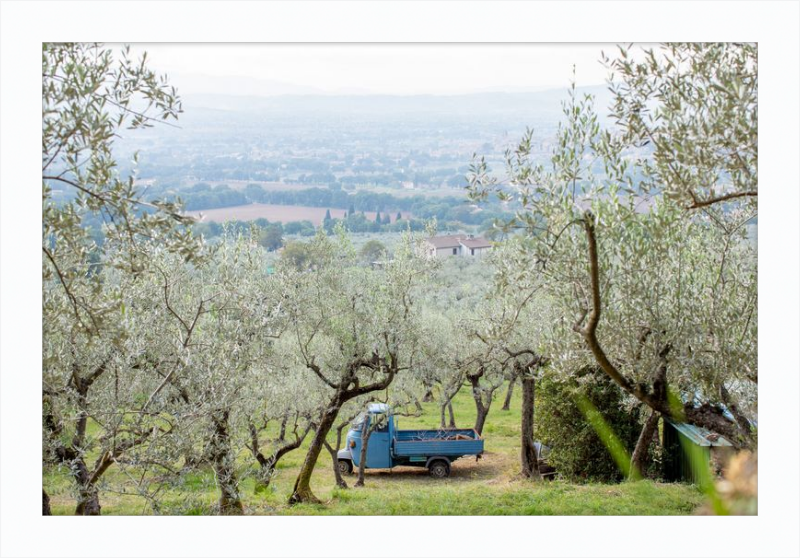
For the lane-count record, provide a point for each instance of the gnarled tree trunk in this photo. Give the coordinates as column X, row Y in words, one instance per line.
column 481, row 406
column 337, row 474
column 302, row 485
column 529, row 455
column 451, row 423
column 230, row 502
column 334, row 451
column 480, row 420
column 89, row 496
column 447, row 405
column 266, row 468
column 640, row 452
column 267, row 464
column 72, row 455
column 362, row 458
column 509, row 392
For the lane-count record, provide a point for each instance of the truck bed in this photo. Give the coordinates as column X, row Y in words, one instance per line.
column 451, row 443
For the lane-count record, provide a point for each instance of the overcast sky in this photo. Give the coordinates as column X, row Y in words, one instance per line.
column 400, row 69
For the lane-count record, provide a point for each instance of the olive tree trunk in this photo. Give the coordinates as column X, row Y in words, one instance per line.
column 705, row 415
column 88, row 496
column 509, row 392
column 362, row 459
column 302, row 485
column 529, row 455
column 482, row 403
column 451, row 423
column 640, row 452
column 337, row 474
column 334, row 451
column 230, row 502
column 267, row 464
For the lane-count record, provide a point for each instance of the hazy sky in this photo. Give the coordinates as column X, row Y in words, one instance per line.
column 404, row 69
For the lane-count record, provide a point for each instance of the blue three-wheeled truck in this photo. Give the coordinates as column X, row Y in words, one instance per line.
column 389, row 447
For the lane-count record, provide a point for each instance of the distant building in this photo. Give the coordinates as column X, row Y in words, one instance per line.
column 465, row 245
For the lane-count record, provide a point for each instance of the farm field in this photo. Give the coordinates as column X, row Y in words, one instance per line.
column 276, row 213
column 266, row 186
column 489, row 486
column 409, row 193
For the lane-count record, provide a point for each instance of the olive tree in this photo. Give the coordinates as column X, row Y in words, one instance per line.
column 477, row 361
column 354, row 328
column 92, row 403
column 93, row 218
column 515, row 331
column 286, row 406
column 654, row 296
column 229, row 306
column 104, row 391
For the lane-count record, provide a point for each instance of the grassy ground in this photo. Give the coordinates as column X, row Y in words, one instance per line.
column 490, row 485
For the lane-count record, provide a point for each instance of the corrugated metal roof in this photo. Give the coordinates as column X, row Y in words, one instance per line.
column 699, row 435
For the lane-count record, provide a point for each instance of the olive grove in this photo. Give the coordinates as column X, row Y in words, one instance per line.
column 166, row 358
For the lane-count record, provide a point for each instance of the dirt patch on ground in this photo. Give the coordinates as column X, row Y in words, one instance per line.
column 493, row 468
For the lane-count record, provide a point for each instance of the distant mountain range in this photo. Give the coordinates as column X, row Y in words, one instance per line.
column 537, row 103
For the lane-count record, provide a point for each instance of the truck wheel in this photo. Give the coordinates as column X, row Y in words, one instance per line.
column 345, row 467
column 439, row 469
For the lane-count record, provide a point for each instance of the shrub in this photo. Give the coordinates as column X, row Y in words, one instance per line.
column 372, row 250
column 577, row 451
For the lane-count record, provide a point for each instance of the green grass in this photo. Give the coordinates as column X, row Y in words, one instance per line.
column 490, row 485
column 513, row 498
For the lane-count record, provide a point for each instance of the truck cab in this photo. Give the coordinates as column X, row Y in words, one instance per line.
column 389, row 447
